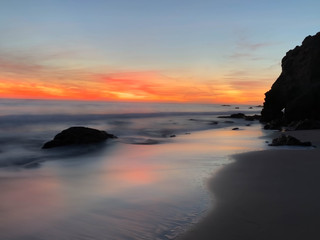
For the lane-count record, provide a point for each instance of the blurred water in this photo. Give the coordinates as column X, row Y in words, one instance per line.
column 47, row 107
column 143, row 185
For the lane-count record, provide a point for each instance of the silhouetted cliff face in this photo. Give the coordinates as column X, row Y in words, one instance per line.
column 298, row 87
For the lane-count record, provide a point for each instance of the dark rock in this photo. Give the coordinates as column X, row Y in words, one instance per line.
column 243, row 116
column 234, row 115
column 295, row 94
column 306, row 124
column 236, row 108
column 253, row 117
column 78, row 135
column 288, row 140
column 172, row 136
column 226, row 105
column 235, row 128
column 274, row 125
column 237, row 115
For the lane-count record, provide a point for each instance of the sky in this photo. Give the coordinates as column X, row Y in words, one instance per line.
column 208, row 51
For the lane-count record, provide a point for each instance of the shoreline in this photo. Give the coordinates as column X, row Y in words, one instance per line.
column 128, row 182
column 268, row 194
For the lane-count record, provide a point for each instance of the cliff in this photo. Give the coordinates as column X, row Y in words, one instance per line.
column 297, row 90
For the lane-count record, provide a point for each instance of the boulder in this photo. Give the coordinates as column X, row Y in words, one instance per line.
column 78, row 135
column 243, row 116
column 253, row 117
column 295, row 94
column 305, row 124
column 237, row 115
column 274, row 125
column 288, row 140
column 234, row 115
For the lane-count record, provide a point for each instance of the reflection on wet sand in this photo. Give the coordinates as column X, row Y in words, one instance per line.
column 136, row 191
column 29, row 204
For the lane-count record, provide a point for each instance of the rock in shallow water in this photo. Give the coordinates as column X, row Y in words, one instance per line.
column 288, row 140
column 78, row 135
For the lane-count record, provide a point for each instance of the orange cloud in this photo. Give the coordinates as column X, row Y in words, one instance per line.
column 67, row 75
column 38, row 90
column 237, row 86
column 135, row 86
column 22, row 79
column 152, row 86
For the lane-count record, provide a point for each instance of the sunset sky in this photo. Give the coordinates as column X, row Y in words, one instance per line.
column 144, row 50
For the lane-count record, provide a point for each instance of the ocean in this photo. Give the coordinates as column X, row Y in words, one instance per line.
column 149, row 183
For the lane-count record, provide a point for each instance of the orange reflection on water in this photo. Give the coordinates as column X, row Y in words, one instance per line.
column 133, row 167
column 139, row 176
column 131, row 176
column 210, row 143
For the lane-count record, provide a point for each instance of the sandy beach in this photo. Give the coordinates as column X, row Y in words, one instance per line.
column 269, row 194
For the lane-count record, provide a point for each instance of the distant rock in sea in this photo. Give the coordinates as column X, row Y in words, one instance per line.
column 295, row 94
column 234, row 115
column 242, row 116
column 78, row 135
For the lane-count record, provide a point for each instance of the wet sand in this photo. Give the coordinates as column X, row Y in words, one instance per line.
column 271, row 194
column 121, row 191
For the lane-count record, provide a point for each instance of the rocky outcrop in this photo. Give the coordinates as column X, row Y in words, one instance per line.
column 306, row 124
column 243, row 116
column 288, row 140
column 295, row 94
column 78, row 135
